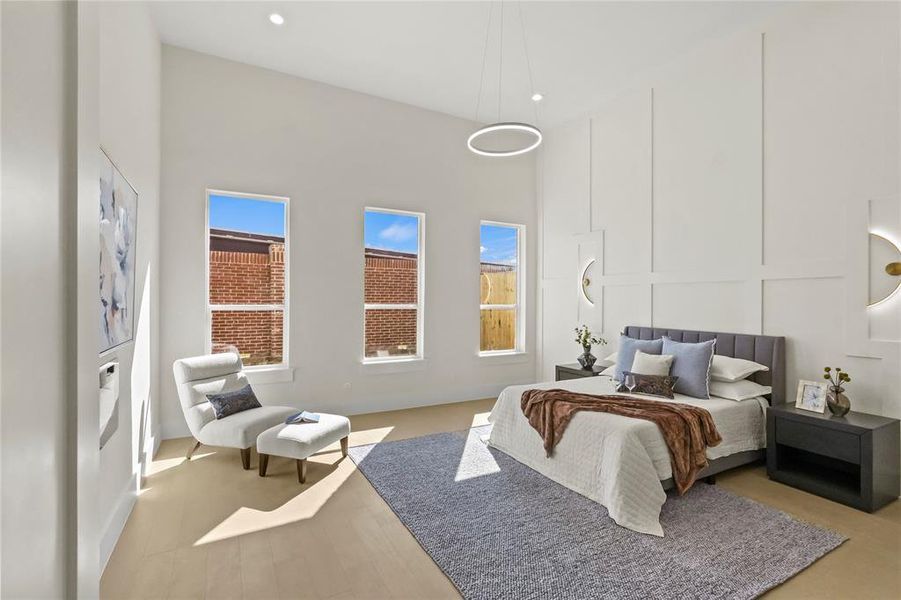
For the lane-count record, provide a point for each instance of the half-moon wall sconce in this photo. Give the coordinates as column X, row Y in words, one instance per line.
column 885, row 269
column 586, row 282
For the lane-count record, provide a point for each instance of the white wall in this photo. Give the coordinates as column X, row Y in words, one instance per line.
column 38, row 124
column 732, row 190
column 129, row 130
column 241, row 128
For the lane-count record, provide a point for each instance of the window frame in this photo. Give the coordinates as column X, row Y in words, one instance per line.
column 420, row 290
column 520, row 306
column 284, row 307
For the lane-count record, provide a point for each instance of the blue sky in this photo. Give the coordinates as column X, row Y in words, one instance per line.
column 381, row 230
column 388, row 231
column 247, row 214
column 498, row 244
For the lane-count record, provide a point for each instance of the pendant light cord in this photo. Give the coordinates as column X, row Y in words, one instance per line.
column 525, row 47
column 484, row 60
column 500, row 65
column 500, row 77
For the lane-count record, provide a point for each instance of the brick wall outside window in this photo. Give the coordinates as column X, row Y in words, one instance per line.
column 390, row 280
column 259, row 278
column 248, row 278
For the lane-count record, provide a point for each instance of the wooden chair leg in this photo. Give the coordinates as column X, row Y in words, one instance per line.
column 245, row 458
column 192, row 450
column 264, row 463
column 302, row 471
column 344, row 446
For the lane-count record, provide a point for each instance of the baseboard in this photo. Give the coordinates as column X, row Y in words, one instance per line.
column 117, row 522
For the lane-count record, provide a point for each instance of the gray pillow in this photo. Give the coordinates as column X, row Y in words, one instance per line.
column 229, row 403
column 626, row 353
column 691, row 364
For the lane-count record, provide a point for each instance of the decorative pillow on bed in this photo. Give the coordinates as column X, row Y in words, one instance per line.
column 627, row 349
column 655, row 385
column 651, row 364
column 691, row 364
column 229, row 403
column 738, row 390
column 726, row 368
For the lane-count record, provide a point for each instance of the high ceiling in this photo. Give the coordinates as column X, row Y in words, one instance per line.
column 430, row 54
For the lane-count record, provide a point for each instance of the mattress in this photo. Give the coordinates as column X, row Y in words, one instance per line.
column 618, row 461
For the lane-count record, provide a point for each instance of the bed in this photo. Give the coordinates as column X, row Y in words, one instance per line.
column 623, row 463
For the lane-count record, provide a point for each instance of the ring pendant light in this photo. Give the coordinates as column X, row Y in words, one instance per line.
column 503, row 127
column 525, row 127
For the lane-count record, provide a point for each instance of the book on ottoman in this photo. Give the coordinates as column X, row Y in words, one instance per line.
column 302, row 417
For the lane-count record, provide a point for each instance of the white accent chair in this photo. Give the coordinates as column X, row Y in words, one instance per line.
column 198, row 376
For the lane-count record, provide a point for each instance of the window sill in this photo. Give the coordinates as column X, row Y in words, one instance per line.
column 504, row 358
column 270, row 374
column 392, row 365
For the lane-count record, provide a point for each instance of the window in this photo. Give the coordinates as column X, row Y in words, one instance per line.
column 393, row 284
column 501, row 288
column 247, row 275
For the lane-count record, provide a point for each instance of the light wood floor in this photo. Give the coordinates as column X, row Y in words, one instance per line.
column 208, row 529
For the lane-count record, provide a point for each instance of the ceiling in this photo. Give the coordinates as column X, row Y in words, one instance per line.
column 430, row 54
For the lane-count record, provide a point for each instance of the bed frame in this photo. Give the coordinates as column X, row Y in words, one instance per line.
column 764, row 349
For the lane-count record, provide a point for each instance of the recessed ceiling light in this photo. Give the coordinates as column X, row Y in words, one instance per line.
column 536, row 97
column 276, row 19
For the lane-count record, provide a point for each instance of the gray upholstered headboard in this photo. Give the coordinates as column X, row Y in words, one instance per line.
column 765, row 349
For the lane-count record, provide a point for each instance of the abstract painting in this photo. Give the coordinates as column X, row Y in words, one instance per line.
column 118, row 249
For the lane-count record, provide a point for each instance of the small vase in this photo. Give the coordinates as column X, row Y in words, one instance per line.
column 587, row 359
column 838, row 403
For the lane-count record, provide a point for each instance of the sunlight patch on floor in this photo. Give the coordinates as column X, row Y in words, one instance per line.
column 164, row 464
column 480, row 419
column 476, row 460
column 369, row 436
column 310, row 498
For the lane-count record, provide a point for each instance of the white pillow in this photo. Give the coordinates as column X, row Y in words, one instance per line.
column 738, row 390
column 610, row 371
column 726, row 368
column 651, row 364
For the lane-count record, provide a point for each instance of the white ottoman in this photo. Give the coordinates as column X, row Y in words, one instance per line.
column 302, row 440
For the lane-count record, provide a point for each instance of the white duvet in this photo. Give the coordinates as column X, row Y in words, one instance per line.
column 617, row 461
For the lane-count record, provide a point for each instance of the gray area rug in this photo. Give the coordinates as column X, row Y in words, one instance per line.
column 498, row 529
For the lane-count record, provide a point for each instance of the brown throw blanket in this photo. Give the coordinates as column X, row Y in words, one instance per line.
column 687, row 430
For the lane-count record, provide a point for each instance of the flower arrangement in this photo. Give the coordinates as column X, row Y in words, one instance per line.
column 836, row 377
column 838, row 403
column 587, row 339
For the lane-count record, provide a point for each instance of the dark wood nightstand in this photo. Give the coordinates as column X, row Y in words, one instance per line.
column 852, row 459
column 575, row 371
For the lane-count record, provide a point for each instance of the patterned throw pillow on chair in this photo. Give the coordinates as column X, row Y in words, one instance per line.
column 655, row 385
column 229, row 403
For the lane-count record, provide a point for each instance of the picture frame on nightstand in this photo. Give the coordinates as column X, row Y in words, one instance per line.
column 811, row 396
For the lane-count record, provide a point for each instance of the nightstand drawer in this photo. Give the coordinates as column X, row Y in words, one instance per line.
column 827, row 442
column 574, row 371
column 564, row 375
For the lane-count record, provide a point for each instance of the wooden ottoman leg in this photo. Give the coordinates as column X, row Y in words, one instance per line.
column 344, row 446
column 302, row 470
column 264, row 463
column 245, row 458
